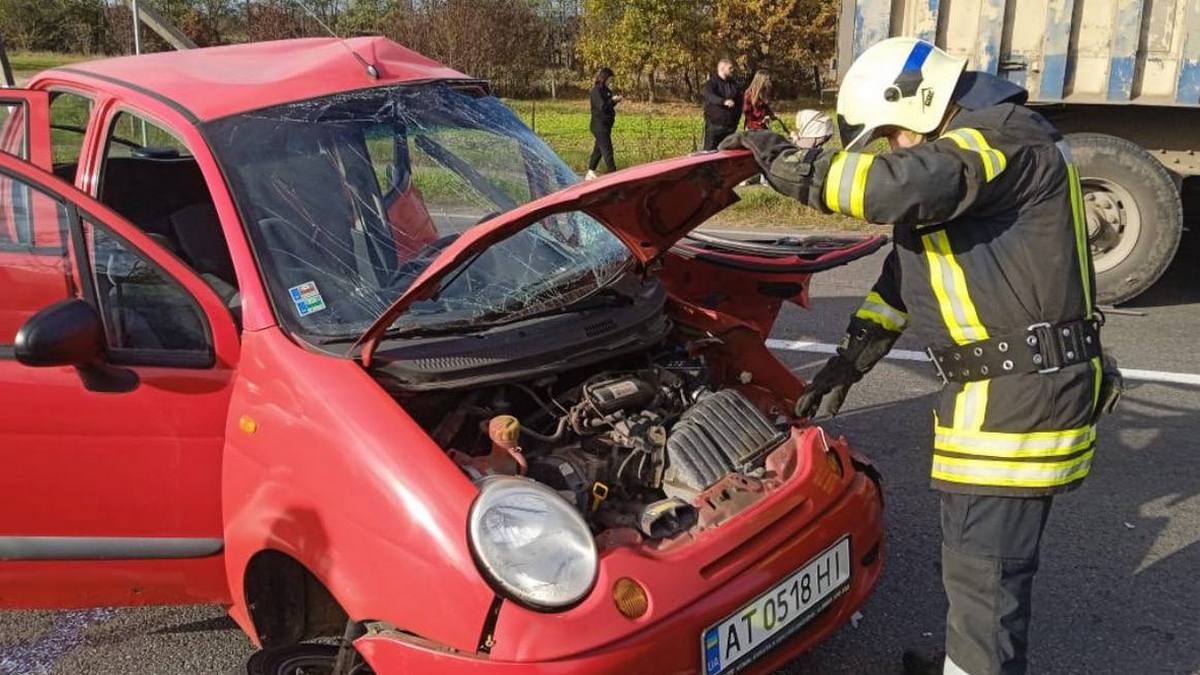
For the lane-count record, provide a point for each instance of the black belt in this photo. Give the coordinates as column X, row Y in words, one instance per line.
column 1042, row 348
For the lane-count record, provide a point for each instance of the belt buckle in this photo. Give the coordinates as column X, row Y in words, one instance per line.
column 936, row 364
column 1042, row 347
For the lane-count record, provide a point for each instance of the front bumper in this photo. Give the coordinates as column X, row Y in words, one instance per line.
column 671, row 643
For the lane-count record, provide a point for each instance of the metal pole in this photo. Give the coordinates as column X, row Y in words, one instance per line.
column 137, row 28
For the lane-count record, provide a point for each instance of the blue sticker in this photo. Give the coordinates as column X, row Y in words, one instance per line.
column 307, row 298
column 712, row 651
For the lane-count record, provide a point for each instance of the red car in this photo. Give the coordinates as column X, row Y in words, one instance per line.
column 321, row 332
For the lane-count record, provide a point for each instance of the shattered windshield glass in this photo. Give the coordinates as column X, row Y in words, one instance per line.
column 348, row 198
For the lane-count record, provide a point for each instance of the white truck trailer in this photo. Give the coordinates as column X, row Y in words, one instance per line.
column 1120, row 77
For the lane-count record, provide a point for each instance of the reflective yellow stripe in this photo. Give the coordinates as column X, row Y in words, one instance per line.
column 1098, row 373
column 846, row 183
column 1012, row 474
column 875, row 308
column 1006, row 445
column 833, row 181
column 858, row 193
column 1082, row 248
column 970, row 406
column 994, row 162
column 950, row 286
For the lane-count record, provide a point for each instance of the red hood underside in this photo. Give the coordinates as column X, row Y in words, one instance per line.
column 648, row 207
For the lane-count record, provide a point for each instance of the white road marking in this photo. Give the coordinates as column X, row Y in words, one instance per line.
column 1133, row 374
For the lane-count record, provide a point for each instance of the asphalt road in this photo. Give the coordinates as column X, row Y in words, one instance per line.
column 1118, row 591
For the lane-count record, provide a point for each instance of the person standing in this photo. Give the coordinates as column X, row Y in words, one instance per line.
column 722, row 105
column 756, row 106
column 991, row 268
column 604, row 114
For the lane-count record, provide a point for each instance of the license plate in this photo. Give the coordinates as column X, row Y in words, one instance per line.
column 774, row 616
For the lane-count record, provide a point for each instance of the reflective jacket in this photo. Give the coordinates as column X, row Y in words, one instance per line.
column 990, row 239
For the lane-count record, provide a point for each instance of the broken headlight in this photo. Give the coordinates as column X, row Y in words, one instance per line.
column 530, row 544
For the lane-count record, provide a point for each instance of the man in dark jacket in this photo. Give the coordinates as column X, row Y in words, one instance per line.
column 722, row 105
column 604, row 114
column 991, row 267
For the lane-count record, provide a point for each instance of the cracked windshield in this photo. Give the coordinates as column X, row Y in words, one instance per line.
column 348, row 198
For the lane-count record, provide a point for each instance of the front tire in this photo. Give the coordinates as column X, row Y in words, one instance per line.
column 298, row 659
column 1134, row 214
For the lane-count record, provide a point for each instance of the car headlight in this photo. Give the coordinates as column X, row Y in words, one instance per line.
column 530, row 544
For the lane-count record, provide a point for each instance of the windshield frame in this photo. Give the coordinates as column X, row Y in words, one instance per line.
column 472, row 87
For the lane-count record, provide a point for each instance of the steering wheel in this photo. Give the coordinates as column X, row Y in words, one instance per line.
column 409, row 269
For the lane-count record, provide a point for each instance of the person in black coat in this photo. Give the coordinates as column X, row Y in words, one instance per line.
column 722, row 105
column 604, row 113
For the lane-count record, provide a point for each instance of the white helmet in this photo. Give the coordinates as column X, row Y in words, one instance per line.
column 899, row 82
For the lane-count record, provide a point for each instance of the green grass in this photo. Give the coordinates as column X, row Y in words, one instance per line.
column 26, row 64
column 649, row 132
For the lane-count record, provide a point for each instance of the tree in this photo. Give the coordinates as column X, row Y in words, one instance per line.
column 641, row 37
column 787, row 37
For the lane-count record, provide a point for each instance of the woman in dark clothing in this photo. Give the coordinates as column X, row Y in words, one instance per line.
column 604, row 113
column 756, row 106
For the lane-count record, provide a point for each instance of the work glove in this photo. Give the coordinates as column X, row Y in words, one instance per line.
column 787, row 168
column 865, row 344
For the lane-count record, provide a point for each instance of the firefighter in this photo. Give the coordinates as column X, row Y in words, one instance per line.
column 991, row 268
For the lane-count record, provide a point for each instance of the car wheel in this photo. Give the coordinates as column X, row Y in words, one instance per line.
column 1133, row 210
column 301, row 659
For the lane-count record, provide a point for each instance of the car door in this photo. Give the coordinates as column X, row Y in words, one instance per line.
column 112, row 468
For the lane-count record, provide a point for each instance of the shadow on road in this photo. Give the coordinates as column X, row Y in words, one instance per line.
column 1117, row 593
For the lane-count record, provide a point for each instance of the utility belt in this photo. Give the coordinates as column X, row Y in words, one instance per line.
column 1041, row 348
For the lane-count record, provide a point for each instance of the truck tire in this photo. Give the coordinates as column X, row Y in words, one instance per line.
column 1134, row 214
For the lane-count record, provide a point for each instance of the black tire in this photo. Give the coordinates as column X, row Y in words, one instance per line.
column 1107, row 158
column 300, row 659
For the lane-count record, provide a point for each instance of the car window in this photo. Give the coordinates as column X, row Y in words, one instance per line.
column 133, row 136
column 34, row 266
column 14, row 137
column 69, row 113
column 148, row 317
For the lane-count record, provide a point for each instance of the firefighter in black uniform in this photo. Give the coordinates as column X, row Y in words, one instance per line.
column 991, row 267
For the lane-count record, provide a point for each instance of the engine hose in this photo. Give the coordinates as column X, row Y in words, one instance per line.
column 558, row 434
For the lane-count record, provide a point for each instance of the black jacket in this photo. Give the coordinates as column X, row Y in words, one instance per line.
column 990, row 240
column 604, row 110
column 716, row 92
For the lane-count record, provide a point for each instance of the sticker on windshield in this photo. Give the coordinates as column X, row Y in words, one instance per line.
column 307, row 298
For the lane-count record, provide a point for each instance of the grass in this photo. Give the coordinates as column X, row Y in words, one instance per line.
column 25, row 64
column 647, row 132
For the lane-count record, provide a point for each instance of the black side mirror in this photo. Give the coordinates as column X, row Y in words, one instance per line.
column 70, row 333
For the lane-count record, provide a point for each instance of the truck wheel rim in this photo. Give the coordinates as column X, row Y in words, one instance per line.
column 1114, row 222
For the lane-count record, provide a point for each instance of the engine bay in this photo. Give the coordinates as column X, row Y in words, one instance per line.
column 633, row 443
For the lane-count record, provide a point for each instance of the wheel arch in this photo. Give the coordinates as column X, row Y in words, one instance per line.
column 286, row 603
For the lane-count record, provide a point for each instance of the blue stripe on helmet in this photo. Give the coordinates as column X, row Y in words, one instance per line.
column 916, row 58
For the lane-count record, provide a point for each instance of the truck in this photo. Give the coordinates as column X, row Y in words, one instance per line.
column 1120, row 78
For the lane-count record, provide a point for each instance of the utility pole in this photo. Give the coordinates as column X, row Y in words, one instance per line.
column 157, row 23
column 137, row 27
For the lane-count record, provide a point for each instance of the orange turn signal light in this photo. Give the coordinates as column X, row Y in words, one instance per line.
column 247, row 424
column 630, row 597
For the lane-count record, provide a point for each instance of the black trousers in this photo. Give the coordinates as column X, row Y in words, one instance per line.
column 989, row 557
column 602, row 148
column 713, row 135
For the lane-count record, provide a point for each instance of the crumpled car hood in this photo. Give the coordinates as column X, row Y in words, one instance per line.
column 648, row 207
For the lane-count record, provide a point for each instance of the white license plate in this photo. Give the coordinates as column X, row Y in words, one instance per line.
column 776, row 615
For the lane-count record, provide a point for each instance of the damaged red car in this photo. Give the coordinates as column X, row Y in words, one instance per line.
column 319, row 331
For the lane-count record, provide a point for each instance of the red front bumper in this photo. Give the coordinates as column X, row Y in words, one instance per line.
column 671, row 644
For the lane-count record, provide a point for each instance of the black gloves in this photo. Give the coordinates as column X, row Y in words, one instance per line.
column 864, row 345
column 766, row 145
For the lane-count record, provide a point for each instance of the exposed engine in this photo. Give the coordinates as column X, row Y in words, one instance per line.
column 629, row 447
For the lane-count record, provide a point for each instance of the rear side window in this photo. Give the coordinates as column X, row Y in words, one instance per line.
column 69, row 113
column 14, row 136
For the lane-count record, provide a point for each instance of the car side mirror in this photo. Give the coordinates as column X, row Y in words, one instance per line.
column 70, row 333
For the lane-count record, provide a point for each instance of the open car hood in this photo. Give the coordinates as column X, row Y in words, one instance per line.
column 648, row 207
